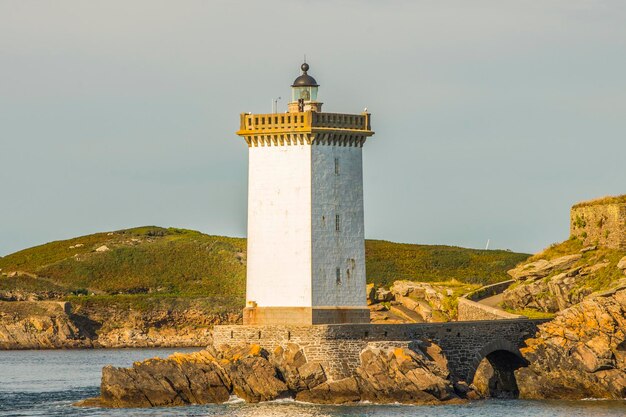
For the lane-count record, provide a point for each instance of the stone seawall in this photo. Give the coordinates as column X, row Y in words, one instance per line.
column 338, row 347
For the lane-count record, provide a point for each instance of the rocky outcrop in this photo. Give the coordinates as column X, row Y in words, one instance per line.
column 203, row 377
column 39, row 325
column 409, row 302
column 54, row 325
column 387, row 376
column 403, row 375
column 542, row 268
column 178, row 380
column 581, row 353
column 552, row 286
column 294, row 369
column 253, row 377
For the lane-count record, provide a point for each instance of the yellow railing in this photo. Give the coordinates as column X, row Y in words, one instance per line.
column 303, row 121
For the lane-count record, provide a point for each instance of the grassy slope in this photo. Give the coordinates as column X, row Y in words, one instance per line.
column 599, row 280
column 388, row 261
column 152, row 263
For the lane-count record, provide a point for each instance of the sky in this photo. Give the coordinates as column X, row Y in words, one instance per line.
column 491, row 117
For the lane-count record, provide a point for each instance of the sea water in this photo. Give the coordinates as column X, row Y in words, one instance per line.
column 47, row 382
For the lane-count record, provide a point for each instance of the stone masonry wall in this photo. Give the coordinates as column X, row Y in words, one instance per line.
column 602, row 224
column 338, row 347
column 469, row 310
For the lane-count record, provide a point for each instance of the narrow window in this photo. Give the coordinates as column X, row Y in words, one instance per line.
column 338, row 276
column 337, row 223
column 336, row 166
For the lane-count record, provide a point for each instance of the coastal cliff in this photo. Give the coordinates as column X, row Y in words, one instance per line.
column 56, row 324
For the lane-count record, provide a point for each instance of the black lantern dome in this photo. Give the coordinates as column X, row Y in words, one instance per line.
column 305, row 80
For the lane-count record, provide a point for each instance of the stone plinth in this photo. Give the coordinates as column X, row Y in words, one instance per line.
column 304, row 315
column 338, row 347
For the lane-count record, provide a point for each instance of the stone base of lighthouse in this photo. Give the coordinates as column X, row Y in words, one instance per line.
column 303, row 316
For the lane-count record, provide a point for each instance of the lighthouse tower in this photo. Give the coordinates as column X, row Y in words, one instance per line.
column 306, row 253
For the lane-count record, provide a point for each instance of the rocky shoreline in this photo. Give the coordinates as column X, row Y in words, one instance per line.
column 581, row 353
column 59, row 325
column 401, row 375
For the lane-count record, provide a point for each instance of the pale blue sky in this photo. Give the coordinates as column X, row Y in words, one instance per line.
column 491, row 117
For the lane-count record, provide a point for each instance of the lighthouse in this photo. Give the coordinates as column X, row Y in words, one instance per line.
column 306, row 253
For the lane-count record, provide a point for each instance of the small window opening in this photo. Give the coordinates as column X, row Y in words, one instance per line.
column 337, row 228
column 338, row 276
column 336, row 166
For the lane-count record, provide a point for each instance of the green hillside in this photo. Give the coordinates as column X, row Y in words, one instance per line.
column 389, row 261
column 152, row 262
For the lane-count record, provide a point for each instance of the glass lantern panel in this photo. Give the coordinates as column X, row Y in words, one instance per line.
column 305, row 93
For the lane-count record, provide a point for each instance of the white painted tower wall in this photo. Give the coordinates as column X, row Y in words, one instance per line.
column 279, row 226
column 294, row 249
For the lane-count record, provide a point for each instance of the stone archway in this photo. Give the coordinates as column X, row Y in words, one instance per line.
column 493, row 370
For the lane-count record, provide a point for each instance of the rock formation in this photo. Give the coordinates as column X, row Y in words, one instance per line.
column 253, row 374
column 581, row 353
column 57, row 324
column 556, row 284
column 40, row 325
column 410, row 301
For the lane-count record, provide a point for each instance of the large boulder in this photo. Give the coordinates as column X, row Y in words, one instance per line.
column 253, row 377
column 401, row 375
column 581, row 353
column 542, row 268
column 294, row 369
column 181, row 379
column 342, row 391
column 532, row 295
column 203, row 377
